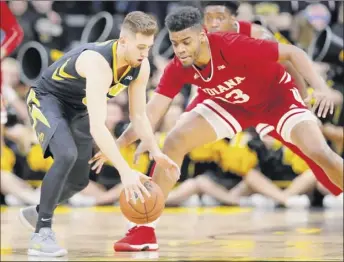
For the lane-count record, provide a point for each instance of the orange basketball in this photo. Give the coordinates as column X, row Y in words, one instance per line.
column 147, row 212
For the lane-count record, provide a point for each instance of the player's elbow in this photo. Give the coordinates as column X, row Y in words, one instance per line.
column 290, row 52
column 296, row 54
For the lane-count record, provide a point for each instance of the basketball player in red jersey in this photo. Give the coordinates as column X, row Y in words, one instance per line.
column 244, row 86
column 13, row 35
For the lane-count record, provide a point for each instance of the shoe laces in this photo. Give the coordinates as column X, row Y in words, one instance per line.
column 132, row 230
column 49, row 236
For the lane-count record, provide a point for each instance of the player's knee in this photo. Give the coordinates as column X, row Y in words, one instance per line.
column 68, row 157
column 83, row 184
column 80, row 185
column 175, row 142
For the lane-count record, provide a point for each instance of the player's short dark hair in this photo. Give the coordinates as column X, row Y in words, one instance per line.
column 140, row 22
column 232, row 6
column 182, row 18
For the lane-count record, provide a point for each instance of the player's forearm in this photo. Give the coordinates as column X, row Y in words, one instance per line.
column 143, row 129
column 304, row 66
column 107, row 146
column 155, row 112
column 127, row 137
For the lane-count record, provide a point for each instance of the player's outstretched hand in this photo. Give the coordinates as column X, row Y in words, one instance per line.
column 98, row 159
column 323, row 101
column 133, row 186
column 171, row 168
column 168, row 164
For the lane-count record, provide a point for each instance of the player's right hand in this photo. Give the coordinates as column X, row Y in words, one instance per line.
column 324, row 101
column 133, row 187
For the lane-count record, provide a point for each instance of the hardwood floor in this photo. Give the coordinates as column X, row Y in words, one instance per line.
column 189, row 234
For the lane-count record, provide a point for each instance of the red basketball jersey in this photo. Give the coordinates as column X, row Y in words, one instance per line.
column 242, row 71
column 244, row 28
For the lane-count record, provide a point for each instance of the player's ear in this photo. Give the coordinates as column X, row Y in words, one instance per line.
column 203, row 36
column 122, row 40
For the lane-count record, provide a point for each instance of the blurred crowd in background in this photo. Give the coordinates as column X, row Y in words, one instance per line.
column 246, row 171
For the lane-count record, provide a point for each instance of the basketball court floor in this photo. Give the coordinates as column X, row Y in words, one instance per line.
column 189, row 234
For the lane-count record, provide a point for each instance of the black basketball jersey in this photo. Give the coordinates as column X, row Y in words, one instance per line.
column 62, row 80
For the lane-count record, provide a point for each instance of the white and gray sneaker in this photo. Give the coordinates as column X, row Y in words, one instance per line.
column 44, row 244
column 28, row 216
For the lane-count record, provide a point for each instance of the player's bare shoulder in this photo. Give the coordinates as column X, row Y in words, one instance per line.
column 90, row 60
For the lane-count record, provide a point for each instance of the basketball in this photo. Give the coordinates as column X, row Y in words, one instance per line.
column 147, row 212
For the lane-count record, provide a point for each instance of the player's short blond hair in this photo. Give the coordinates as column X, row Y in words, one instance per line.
column 140, row 22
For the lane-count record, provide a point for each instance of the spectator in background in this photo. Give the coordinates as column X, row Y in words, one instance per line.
column 11, row 80
column 25, row 17
column 11, row 37
column 308, row 22
column 15, row 189
column 16, row 128
column 48, row 25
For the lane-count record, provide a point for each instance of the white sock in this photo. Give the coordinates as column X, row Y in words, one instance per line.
column 152, row 224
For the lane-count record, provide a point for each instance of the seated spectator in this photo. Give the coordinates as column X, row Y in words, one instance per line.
column 16, row 190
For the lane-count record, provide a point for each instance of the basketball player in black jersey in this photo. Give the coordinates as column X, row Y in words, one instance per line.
column 67, row 106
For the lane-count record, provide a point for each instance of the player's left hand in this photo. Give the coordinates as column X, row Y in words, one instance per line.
column 323, row 101
column 98, row 159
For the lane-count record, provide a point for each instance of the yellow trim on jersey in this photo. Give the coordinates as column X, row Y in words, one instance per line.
column 32, row 97
column 63, row 73
column 35, row 112
column 55, row 76
column 116, row 89
column 59, row 73
column 114, row 69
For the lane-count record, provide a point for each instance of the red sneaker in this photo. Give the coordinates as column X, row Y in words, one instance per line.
column 140, row 238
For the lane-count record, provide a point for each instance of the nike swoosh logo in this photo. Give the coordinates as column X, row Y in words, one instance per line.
column 45, row 219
